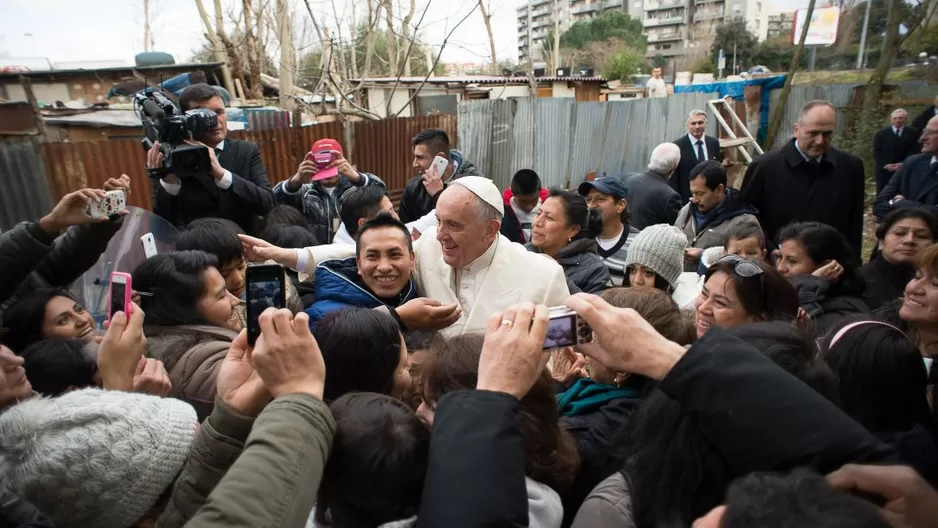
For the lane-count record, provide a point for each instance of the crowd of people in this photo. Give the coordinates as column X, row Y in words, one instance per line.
column 746, row 368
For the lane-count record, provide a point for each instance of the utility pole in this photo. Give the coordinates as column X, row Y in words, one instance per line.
column 147, row 32
column 866, row 23
column 735, row 69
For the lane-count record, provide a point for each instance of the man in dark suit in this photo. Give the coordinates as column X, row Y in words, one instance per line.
column 808, row 180
column 235, row 188
column 696, row 147
column 923, row 118
column 916, row 183
column 651, row 200
column 892, row 145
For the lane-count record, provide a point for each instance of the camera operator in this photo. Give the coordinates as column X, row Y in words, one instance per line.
column 236, row 188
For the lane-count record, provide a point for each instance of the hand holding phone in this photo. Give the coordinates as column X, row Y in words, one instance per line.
column 433, row 179
column 266, row 288
column 121, row 291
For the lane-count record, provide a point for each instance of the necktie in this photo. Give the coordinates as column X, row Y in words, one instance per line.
column 700, row 152
column 898, row 132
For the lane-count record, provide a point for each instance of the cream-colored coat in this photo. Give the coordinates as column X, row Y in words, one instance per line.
column 516, row 275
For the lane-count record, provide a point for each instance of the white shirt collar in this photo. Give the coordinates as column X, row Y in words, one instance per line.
column 220, row 146
column 806, row 158
column 484, row 261
column 693, row 140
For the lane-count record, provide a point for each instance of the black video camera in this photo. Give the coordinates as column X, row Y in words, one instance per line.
column 164, row 122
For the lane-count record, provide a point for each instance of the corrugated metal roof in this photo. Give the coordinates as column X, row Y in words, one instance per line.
column 49, row 73
column 101, row 118
column 474, row 79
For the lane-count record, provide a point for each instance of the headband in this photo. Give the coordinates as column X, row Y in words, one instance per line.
column 840, row 333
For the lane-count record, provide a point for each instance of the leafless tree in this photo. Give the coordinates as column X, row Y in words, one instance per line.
column 776, row 120
column 254, row 52
column 487, row 20
column 218, row 47
column 287, row 54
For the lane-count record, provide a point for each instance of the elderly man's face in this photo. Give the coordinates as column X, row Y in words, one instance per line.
column 462, row 235
column 815, row 130
column 898, row 119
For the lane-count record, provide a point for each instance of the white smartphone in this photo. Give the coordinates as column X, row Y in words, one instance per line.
column 441, row 164
column 149, row 245
column 112, row 204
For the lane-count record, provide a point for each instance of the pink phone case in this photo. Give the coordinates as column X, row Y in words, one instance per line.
column 126, row 306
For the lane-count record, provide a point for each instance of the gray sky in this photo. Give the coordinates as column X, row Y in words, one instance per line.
column 76, row 30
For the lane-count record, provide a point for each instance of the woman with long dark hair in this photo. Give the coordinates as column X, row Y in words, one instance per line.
column 900, row 238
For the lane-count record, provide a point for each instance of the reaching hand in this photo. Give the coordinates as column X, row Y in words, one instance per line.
column 568, row 365
column 910, row 501
column 151, row 378
column 239, row 385
column 71, row 211
column 259, row 250
column 622, row 340
column 287, row 356
column 428, row 314
column 512, row 353
column 121, row 349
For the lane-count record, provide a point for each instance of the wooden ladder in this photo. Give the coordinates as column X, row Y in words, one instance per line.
column 734, row 140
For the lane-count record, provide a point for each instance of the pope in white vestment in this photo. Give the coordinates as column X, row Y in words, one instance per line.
column 466, row 260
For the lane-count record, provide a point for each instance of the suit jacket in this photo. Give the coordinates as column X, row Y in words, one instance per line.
column 923, row 118
column 785, row 188
column 916, row 181
column 651, row 200
column 680, row 180
column 516, row 275
column 248, row 198
column 887, row 148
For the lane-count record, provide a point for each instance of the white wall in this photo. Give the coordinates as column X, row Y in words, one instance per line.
column 563, row 89
column 47, row 93
column 377, row 99
column 507, row 92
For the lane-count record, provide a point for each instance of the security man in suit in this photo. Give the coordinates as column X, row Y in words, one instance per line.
column 236, row 187
column 916, row 182
column 892, row 145
column 696, row 147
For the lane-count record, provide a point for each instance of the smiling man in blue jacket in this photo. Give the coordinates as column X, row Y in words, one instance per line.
column 380, row 275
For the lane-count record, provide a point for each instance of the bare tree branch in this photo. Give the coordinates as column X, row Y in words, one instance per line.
column 410, row 46
column 487, row 19
column 218, row 48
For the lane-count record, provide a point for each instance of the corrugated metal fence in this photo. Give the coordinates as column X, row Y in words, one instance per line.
column 25, row 193
column 382, row 147
column 563, row 140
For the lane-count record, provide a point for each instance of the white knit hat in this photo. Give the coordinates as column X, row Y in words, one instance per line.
column 659, row 248
column 485, row 189
column 94, row 457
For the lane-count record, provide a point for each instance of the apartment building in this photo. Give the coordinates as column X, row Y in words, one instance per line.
column 683, row 30
column 781, row 24
column 536, row 19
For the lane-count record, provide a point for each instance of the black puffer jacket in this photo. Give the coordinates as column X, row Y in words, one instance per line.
column 825, row 305
column 31, row 258
column 584, row 268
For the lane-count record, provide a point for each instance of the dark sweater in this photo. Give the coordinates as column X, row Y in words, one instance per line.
column 885, row 281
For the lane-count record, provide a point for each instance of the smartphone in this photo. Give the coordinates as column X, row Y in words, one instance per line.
column 323, row 159
column 266, row 287
column 149, row 245
column 441, row 164
column 121, row 287
column 566, row 329
column 113, row 203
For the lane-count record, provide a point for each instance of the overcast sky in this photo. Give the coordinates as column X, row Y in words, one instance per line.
column 76, row 30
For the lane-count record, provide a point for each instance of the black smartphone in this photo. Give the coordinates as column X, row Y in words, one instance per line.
column 266, row 287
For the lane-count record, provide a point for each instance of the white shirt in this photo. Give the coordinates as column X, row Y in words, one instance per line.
column 466, row 281
column 609, row 243
column 898, row 131
column 656, row 88
column 818, row 159
column 703, row 144
column 225, row 182
column 525, row 218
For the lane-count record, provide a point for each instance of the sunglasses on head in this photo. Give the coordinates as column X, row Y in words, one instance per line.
column 742, row 267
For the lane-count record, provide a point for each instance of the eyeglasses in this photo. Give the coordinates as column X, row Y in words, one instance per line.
column 742, row 267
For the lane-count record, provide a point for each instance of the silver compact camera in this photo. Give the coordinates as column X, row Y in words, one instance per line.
column 566, row 329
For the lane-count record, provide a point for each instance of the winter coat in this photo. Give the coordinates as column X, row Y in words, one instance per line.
column 582, row 265
column 192, row 355
column 338, row 286
column 885, row 281
column 756, row 415
column 733, row 212
column 652, row 200
column 244, row 472
column 917, row 448
column 485, row 484
column 595, row 415
column 320, row 208
column 785, row 188
column 826, row 304
column 511, row 226
column 416, row 201
column 31, row 258
column 916, row 181
column 922, row 119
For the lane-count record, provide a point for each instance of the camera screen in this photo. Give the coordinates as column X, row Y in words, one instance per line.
column 262, row 294
column 118, row 291
column 561, row 332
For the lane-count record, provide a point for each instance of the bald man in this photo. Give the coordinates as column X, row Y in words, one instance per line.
column 808, row 180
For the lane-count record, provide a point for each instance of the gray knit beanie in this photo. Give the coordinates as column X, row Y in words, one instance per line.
column 659, row 248
column 95, row 457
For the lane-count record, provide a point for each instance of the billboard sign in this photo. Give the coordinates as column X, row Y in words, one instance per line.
column 823, row 28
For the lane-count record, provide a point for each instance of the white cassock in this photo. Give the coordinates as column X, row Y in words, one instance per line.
column 506, row 274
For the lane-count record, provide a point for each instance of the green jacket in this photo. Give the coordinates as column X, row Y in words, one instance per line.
column 272, row 482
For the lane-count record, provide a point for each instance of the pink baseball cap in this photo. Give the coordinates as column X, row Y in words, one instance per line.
column 327, row 144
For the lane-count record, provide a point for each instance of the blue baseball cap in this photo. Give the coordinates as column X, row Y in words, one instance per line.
column 606, row 185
